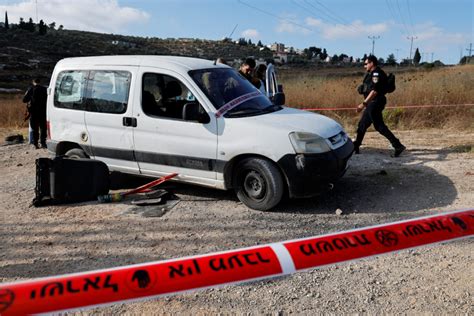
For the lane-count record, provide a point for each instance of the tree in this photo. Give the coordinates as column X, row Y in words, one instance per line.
column 52, row 25
column 22, row 24
column 324, row 54
column 249, row 42
column 342, row 57
column 417, row 57
column 7, row 26
column 30, row 26
column 242, row 41
column 312, row 51
column 391, row 60
column 259, row 44
column 364, row 58
column 42, row 28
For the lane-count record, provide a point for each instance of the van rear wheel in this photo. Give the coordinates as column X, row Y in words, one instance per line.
column 76, row 153
column 259, row 184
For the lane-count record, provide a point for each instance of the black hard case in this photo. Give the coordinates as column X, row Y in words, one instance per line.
column 63, row 180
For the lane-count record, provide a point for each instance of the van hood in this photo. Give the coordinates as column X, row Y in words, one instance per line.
column 295, row 120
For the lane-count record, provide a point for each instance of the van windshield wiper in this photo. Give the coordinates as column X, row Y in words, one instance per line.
column 243, row 112
column 271, row 108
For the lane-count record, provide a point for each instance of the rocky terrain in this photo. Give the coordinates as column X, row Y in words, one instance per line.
column 434, row 175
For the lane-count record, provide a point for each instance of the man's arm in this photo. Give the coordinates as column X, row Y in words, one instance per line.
column 28, row 95
column 367, row 100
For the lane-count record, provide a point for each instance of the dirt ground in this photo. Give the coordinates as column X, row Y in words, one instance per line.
column 435, row 174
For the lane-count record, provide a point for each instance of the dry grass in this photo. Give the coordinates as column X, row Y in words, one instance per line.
column 309, row 89
column 12, row 111
column 453, row 85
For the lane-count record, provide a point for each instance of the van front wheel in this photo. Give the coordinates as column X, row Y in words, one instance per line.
column 76, row 153
column 259, row 184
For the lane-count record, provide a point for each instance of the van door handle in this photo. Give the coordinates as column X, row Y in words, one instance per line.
column 129, row 121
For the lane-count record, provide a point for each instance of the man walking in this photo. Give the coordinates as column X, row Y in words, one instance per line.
column 35, row 98
column 374, row 89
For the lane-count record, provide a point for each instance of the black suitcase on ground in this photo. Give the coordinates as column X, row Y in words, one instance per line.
column 63, row 180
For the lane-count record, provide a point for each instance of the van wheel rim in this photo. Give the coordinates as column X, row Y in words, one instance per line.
column 254, row 185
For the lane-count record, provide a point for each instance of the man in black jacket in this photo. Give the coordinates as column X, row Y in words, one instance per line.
column 374, row 90
column 35, row 98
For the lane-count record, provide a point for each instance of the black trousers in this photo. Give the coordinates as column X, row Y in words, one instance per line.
column 373, row 114
column 38, row 125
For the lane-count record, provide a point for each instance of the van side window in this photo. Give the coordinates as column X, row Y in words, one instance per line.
column 109, row 91
column 70, row 89
column 165, row 96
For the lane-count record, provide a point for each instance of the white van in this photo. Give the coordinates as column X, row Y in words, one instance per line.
column 155, row 115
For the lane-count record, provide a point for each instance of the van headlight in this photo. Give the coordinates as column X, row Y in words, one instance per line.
column 307, row 143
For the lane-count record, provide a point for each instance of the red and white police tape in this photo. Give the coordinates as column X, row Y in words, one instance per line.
column 131, row 283
column 353, row 108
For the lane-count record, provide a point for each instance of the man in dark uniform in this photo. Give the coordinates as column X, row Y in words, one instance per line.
column 36, row 97
column 374, row 90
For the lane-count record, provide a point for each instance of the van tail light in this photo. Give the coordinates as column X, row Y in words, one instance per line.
column 48, row 127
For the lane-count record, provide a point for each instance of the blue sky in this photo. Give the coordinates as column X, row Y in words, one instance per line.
column 442, row 29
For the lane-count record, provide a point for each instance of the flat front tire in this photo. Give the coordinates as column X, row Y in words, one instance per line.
column 259, row 184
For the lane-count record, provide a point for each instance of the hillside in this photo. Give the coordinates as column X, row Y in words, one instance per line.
column 24, row 55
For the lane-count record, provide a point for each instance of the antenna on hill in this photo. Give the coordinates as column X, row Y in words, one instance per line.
column 230, row 35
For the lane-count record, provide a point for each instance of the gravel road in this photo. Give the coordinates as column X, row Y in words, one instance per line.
column 435, row 174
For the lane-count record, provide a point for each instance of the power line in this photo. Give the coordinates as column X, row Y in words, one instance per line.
column 392, row 12
column 401, row 17
column 273, row 15
column 348, row 27
column 233, row 30
column 409, row 16
column 332, row 13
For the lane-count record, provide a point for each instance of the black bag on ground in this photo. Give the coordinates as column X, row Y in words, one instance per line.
column 63, row 180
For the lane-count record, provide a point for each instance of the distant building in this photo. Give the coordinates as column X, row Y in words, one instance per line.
column 278, row 47
column 280, row 57
column 124, row 44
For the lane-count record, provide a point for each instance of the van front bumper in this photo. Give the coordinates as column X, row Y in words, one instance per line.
column 310, row 174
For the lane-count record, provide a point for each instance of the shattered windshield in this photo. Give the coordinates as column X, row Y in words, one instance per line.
column 231, row 93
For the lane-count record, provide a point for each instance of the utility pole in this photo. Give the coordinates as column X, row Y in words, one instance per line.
column 36, row 2
column 397, row 50
column 373, row 38
column 432, row 54
column 470, row 53
column 411, row 45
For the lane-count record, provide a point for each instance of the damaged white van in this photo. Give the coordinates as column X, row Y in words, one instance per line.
column 155, row 115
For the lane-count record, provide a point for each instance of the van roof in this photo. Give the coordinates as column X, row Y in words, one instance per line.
column 185, row 63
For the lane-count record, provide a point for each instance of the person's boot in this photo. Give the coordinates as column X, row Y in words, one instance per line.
column 356, row 148
column 399, row 150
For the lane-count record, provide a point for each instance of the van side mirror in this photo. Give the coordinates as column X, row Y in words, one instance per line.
column 279, row 98
column 194, row 112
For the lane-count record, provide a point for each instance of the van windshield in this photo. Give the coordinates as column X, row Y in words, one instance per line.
column 232, row 94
